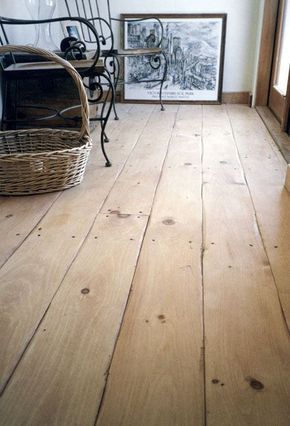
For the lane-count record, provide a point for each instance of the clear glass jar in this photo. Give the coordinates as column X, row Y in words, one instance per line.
column 42, row 9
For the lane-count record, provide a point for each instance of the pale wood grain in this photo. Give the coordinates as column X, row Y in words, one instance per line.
column 271, row 200
column 157, row 371
column 247, row 342
column 33, row 274
column 60, row 380
column 18, row 216
column 135, row 187
column 126, row 132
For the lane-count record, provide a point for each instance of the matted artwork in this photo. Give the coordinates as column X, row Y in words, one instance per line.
column 194, row 47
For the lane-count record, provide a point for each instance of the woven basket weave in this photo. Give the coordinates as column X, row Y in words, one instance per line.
column 35, row 161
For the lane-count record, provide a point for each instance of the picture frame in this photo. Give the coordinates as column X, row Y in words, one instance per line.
column 194, row 45
column 72, row 29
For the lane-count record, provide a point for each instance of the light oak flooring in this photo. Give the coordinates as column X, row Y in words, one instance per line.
column 157, row 292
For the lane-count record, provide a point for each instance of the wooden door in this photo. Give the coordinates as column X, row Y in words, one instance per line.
column 279, row 96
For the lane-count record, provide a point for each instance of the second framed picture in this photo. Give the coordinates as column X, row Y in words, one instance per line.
column 194, row 46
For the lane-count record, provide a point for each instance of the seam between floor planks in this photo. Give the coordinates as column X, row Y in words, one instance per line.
column 9, row 204
column 107, row 372
column 259, row 354
column 201, row 268
column 66, row 194
column 129, row 294
column 126, row 408
column 133, row 190
column 48, row 313
column 270, row 199
column 54, row 362
column 257, row 219
column 14, row 245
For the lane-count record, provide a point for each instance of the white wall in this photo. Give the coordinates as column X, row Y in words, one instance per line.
column 241, row 37
column 242, row 29
column 17, row 9
column 13, row 9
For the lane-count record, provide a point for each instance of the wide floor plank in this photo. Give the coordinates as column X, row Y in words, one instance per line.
column 247, row 343
column 134, row 190
column 18, row 216
column 65, row 367
column 30, row 278
column 174, row 316
column 157, row 371
column 265, row 171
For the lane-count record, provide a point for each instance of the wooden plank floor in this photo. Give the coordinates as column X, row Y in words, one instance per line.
column 158, row 291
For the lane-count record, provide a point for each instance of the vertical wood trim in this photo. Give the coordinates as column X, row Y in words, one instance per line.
column 278, row 40
column 286, row 111
column 276, row 99
column 276, row 103
column 266, row 51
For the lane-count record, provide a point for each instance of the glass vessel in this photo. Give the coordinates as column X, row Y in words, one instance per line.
column 42, row 9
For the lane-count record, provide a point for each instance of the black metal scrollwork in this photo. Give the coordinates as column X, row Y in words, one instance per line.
column 155, row 62
column 95, row 89
column 75, row 51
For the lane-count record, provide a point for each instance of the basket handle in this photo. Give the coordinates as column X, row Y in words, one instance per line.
column 85, row 129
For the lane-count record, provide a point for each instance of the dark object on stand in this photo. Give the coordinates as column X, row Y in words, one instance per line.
column 16, row 69
column 35, row 161
column 98, row 12
column 73, row 48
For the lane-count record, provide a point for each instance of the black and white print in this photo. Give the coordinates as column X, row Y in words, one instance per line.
column 193, row 47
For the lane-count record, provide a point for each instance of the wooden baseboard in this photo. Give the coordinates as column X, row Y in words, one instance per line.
column 237, row 98
column 227, row 98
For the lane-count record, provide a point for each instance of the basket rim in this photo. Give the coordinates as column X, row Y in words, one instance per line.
column 85, row 142
column 38, row 130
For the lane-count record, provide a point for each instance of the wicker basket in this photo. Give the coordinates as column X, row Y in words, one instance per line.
column 35, row 161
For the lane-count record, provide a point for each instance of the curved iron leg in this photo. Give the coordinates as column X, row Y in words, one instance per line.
column 106, row 139
column 113, row 97
column 116, row 80
column 104, row 119
column 113, row 71
column 108, row 162
column 162, row 81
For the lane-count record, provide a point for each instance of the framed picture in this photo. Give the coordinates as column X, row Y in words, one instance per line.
column 194, row 46
column 72, row 29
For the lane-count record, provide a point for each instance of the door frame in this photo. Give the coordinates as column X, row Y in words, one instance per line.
column 269, row 27
column 266, row 94
column 278, row 102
